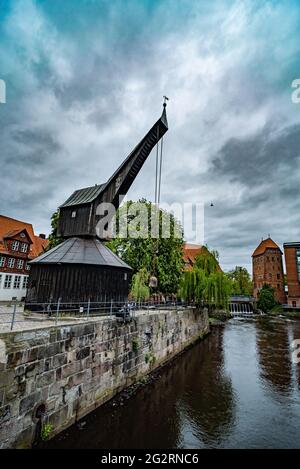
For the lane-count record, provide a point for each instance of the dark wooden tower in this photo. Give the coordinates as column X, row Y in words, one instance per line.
column 82, row 269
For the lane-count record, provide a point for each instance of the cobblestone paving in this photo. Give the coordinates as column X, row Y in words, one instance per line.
column 21, row 322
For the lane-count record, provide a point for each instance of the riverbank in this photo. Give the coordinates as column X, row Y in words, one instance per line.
column 278, row 311
column 53, row 376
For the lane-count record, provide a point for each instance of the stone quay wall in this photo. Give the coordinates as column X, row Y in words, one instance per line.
column 55, row 375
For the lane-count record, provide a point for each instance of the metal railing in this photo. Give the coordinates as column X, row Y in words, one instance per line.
column 16, row 312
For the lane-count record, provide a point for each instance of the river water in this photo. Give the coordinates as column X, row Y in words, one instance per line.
column 237, row 389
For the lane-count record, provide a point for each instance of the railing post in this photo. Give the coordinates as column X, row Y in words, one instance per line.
column 57, row 311
column 88, row 309
column 111, row 307
column 13, row 316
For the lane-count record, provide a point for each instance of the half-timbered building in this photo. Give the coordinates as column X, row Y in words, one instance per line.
column 18, row 245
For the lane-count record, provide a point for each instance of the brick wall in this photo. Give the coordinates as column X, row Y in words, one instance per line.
column 292, row 275
column 268, row 268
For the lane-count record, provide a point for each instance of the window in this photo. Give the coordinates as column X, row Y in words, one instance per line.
column 11, row 262
column 2, row 261
column 0, row 280
column 278, row 276
column 73, row 214
column 17, row 281
column 7, row 281
column 24, row 247
column 25, row 282
column 20, row 264
column 27, row 266
column 15, row 246
column 294, row 304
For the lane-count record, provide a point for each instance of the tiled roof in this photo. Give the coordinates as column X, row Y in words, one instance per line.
column 264, row 245
column 191, row 251
column 11, row 227
column 13, row 233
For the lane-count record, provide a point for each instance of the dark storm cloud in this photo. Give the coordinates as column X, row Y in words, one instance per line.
column 38, row 137
column 251, row 161
column 85, row 84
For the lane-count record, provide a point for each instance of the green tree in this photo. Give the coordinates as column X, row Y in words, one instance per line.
column 54, row 240
column 207, row 261
column 206, row 283
column 240, row 281
column 158, row 255
column 266, row 300
column 140, row 290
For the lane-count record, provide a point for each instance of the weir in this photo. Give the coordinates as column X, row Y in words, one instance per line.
column 241, row 305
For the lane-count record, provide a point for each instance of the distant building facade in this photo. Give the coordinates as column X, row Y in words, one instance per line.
column 190, row 253
column 267, row 269
column 18, row 245
column 292, row 264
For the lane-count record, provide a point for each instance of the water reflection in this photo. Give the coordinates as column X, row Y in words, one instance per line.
column 273, row 346
column 294, row 334
column 210, row 419
column 237, row 389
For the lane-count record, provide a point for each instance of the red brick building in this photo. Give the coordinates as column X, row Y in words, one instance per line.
column 190, row 252
column 18, row 245
column 292, row 264
column 268, row 268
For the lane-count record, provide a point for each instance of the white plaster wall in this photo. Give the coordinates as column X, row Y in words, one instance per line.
column 6, row 294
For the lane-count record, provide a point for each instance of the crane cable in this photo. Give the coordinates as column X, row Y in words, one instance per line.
column 160, row 166
column 158, row 172
column 158, row 169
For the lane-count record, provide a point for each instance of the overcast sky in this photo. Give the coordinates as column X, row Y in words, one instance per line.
column 85, row 81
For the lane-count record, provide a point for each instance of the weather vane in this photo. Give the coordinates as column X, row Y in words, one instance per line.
column 165, row 100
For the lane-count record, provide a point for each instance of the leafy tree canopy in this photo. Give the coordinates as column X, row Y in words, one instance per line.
column 208, row 261
column 54, row 240
column 206, row 283
column 140, row 290
column 158, row 255
column 240, row 281
column 266, row 299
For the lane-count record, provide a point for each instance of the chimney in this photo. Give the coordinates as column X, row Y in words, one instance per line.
column 42, row 236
